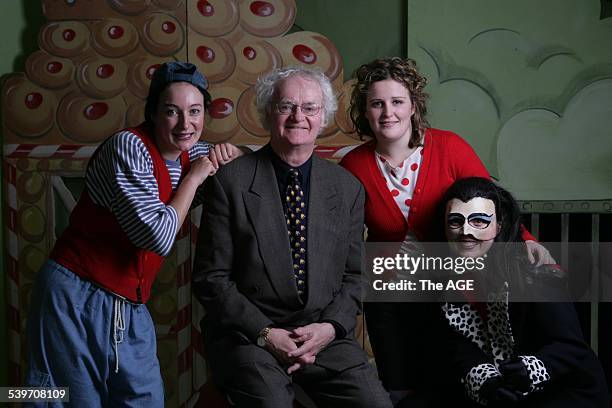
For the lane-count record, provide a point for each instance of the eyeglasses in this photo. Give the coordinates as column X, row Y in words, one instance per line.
column 475, row 220
column 287, row 108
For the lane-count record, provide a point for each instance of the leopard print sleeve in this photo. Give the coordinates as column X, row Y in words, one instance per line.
column 476, row 377
column 537, row 372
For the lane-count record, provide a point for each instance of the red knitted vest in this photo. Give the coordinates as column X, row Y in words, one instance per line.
column 94, row 246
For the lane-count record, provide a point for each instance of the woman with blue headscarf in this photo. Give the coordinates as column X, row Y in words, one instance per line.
column 88, row 328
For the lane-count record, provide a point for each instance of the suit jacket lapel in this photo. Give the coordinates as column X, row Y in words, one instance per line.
column 263, row 204
column 322, row 207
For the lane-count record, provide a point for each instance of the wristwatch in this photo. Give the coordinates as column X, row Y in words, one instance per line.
column 262, row 339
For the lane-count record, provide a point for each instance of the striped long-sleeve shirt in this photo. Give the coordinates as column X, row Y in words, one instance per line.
column 121, row 179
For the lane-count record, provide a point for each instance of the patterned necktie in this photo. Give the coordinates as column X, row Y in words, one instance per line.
column 296, row 227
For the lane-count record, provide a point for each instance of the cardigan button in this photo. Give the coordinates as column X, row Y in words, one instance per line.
column 418, row 191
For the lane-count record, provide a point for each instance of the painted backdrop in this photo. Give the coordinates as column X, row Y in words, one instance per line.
column 529, row 84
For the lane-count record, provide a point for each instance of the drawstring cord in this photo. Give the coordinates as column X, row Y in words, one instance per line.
column 118, row 327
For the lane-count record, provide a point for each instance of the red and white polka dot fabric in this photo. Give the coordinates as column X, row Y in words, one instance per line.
column 401, row 180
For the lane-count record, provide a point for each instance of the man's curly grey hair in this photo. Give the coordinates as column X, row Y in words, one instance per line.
column 267, row 84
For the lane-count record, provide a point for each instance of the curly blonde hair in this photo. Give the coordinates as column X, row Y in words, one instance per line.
column 402, row 70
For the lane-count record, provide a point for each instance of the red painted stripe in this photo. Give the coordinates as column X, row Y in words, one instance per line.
column 185, row 360
column 197, row 342
column 68, row 148
column 194, row 231
column 188, row 269
column 11, row 219
column 183, row 318
column 61, row 151
column 10, row 173
column 184, row 230
column 12, row 269
column 181, row 274
column 25, row 147
column 326, row 152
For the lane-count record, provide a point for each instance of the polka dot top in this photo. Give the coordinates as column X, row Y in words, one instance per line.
column 401, row 180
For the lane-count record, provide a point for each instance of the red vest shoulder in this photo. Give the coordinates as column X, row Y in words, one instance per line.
column 95, row 247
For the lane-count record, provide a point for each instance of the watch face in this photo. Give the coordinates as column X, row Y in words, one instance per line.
column 261, row 341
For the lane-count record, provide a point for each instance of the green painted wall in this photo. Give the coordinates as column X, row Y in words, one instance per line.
column 529, row 87
column 20, row 21
column 361, row 29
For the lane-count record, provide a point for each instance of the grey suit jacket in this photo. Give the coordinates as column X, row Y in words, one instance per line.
column 243, row 272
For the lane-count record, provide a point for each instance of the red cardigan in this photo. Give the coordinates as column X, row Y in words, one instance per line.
column 446, row 158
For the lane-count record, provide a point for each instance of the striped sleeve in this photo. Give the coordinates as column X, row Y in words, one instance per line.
column 174, row 167
column 121, row 179
column 199, row 149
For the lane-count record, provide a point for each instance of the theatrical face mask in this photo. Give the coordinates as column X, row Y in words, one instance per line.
column 471, row 227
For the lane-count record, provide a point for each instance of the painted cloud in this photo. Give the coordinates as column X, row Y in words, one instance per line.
column 528, row 84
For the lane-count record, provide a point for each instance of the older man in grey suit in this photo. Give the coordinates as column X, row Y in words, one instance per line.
column 278, row 261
